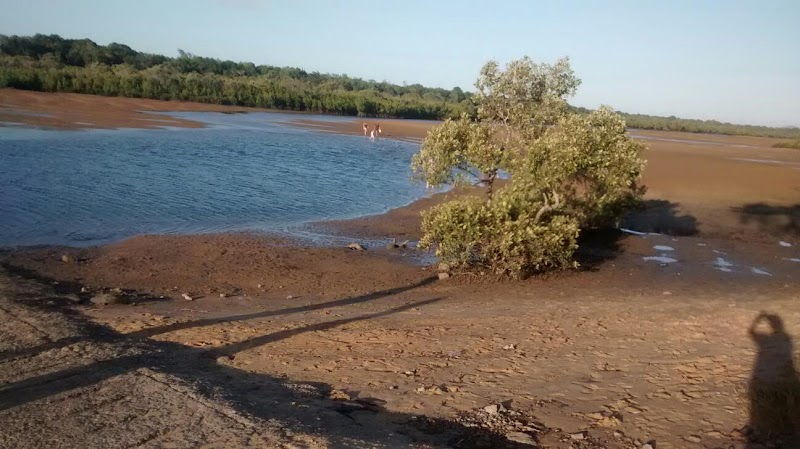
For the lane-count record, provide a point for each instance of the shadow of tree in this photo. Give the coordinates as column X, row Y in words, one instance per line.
column 662, row 217
column 774, row 389
column 778, row 220
column 596, row 246
column 301, row 407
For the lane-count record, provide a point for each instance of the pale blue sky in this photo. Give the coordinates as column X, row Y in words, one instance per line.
column 733, row 60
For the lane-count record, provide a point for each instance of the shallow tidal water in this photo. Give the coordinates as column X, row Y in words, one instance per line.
column 244, row 172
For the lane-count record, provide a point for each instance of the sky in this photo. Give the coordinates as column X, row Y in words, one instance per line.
column 730, row 60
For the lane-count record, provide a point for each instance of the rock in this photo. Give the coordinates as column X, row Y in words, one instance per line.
column 578, row 436
column 693, row 439
column 117, row 290
column 404, row 244
column 649, row 445
column 444, row 275
column 66, row 258
column 187, row 297
column 105, row 299
column 223, row 295
column 444, row 267
column 339, row 395
column 290, row 297
column 392, row 245
column 73, row 299
column 356, row 247
column 522, row 438
column 491, row 409
column 509, row 347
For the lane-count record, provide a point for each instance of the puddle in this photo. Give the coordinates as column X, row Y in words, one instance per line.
column 765, row 161
column 631, row 231
column 660, row 259
column 722, row 263
column 663, row 248
column 759, row 271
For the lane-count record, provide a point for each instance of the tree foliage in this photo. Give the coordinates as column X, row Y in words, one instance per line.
column 566, row 172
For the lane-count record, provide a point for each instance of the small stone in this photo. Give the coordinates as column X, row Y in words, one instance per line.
column 222, row 295
column 392, row 245
column 648, row 446
column 522, row 438
column 444, row 267
column 693, row 439
column 491, row 409
column 66, row 258
column 105, row 299
column 404, row 244
column 74, row 299
column 84, row 290
column 577, row 436
column 117, row 290
column 259, row 286
column 339, row 395
column 290, row 297
column 509, row 347
column 187, row 297
column 356, row 247
column 444, row 275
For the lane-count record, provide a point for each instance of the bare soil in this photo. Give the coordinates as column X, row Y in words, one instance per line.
column 284, row 345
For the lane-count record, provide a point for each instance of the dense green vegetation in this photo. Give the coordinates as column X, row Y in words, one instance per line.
column 568, row 172
column 788, row 144
column 53, row 64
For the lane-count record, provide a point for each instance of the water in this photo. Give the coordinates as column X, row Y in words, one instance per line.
column 246, row 172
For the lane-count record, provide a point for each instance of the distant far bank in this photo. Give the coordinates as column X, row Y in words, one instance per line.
column 54, row 64
column 82, row 111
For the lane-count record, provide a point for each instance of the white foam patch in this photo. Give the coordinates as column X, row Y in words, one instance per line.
column 660, row 259
column 724, row 269
column 785, row 244
column 722, row 263
column 719, row 252
column 663, row 248
column 793, row 259
column 759, row 271
column 701, row 244
column 631, row 231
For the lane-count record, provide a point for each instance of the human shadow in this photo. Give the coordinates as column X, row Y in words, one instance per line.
column 774, row 389
column 300, row 407
column 778, row 220
column 661, row 217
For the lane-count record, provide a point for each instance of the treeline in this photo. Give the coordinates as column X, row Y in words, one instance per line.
column 53, row 64
column 672, row 123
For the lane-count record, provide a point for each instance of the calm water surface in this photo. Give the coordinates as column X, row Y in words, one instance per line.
column 245, row 172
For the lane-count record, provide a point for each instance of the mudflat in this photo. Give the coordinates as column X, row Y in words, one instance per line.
column 254, row 341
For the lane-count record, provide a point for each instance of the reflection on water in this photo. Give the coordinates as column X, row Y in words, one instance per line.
column 246, row 172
